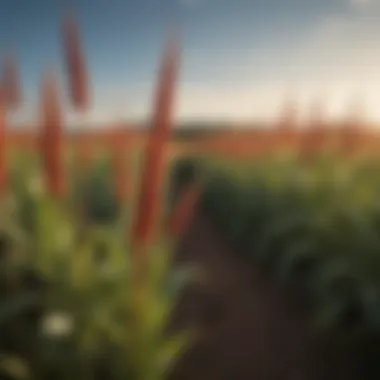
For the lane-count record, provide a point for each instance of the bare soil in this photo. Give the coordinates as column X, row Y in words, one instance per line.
column 247, row 325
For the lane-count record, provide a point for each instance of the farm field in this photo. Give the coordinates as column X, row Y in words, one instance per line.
column 151, row 255
column 249, row 310
column 248, row 320
column 249, row 144
column 305, row 237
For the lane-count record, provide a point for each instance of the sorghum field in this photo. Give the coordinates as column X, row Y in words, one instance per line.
column 141, row 256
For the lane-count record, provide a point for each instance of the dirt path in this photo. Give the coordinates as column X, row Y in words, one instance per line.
column 248, row 328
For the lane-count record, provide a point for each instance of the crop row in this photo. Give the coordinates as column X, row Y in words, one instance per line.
column 87, row 285
column 315, row 228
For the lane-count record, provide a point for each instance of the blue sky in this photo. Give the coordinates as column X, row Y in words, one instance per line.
column 240, row 57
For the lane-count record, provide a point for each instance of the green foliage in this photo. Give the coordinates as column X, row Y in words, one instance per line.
column 70, row 307
column 184, row 172
column 316, row 227
column 95, row 195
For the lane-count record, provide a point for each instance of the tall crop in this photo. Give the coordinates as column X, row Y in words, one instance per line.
column 317, row 230
column 75, row 64
column 73, row 312
column 153, row 170
column 52, row 137
column 88, row 318
column 77, row 78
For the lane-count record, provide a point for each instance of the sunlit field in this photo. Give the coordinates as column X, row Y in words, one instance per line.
column 149, row 256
